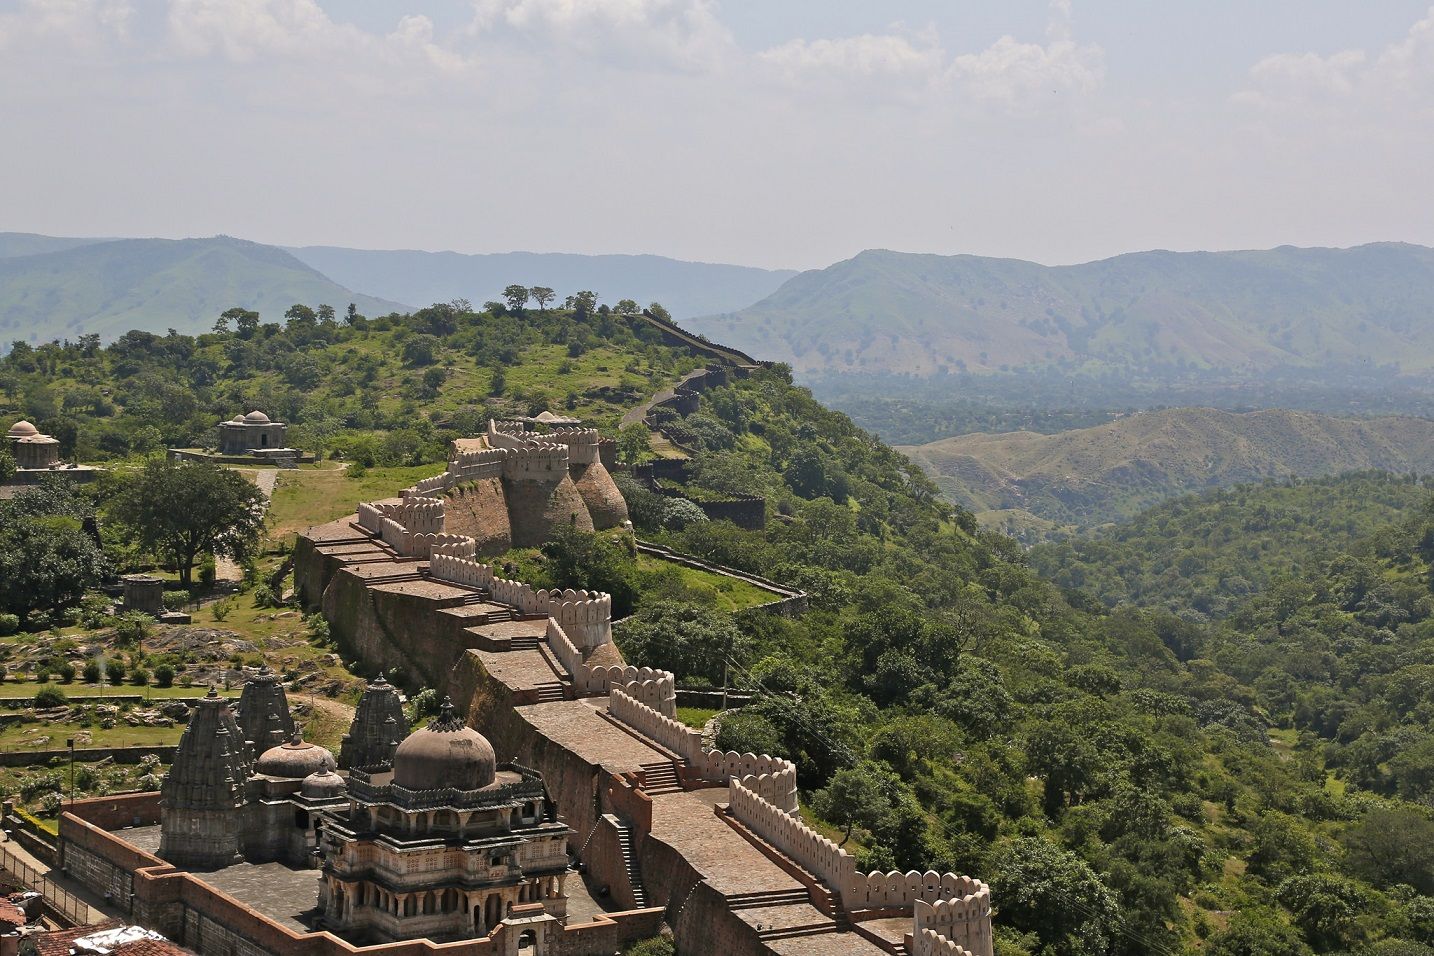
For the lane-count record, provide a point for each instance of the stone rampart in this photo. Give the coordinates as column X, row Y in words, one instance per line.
column 812, row 851
column 931, row 943
column 955, row 909
column 584, row 616
column 772, row 779
column 960, row 918
column 582, row 443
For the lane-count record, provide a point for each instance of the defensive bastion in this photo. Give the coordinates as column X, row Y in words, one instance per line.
column 658, row 818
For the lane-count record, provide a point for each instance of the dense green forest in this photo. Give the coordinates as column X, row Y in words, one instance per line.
column 1203, row 555
column 1129, row 781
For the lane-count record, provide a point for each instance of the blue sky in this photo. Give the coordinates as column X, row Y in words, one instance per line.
column 766, row 132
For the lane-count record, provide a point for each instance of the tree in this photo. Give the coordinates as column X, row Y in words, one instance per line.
column 1257, row 933
column 325, row 313
column 1392, row 846
column 584, row 304
column 351, row 314
column 633, row 441
column 857, row 796
column 657, row 311
column 299, row 314
column 627, row 307
column 421, row 349
column 184, row 509
column 1053, row 893
column 245, row 321
column 517, row 296
column 7, row 465
column 542, row 295
column 47, row 558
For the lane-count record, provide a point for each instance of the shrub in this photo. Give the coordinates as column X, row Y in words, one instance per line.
column 132, row 628
column 221, row 609
column 115, row 670
column 50, row 804
column 66, row 672
column 91, row 672
column 139, row 677
column 264, row 596
column 164, row 676
column 656, row 946
column 43, row 675
column 175, row 600
column 50, row 697
column 9, row 624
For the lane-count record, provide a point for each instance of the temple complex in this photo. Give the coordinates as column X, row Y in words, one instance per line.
column 37, row 454
column 567, row 812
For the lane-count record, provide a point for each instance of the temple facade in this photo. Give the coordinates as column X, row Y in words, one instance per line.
column 443, row 845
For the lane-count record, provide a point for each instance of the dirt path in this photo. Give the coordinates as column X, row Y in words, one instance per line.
column 264, row 479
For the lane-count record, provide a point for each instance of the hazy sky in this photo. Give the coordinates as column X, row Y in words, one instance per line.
column 765, row 132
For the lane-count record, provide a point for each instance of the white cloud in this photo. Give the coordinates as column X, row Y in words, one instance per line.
column 1009, row 73
column 1398, row 78
column 79, row 24
column 686, row 34
column 242, row 31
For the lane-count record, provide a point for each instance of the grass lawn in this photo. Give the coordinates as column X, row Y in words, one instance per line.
column 28, row 688
column 305, row 497
column 52, row 736
column 728, row 594
column 695, row 717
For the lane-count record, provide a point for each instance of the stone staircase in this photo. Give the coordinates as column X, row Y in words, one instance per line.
column 523, row 643
column 629, row 862
column 395, row 577
column 659, row 778
column 551, row 691
column 761, row 898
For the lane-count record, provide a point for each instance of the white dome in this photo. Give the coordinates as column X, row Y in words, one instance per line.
column 256, row 417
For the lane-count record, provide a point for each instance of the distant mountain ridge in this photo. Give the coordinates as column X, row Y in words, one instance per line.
column 885, row 311
column 1088, row 476
column 684, row 288
column 57, row 287
column 110, row 287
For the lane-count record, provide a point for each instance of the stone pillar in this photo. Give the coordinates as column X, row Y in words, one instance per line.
column 143, row 593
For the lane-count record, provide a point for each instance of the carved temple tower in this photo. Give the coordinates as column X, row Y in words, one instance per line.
column 378, row 726
column 264, row 717
column 203, row 794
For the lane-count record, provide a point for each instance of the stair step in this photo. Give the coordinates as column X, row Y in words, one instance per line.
column 767, row 898
column 797, row 932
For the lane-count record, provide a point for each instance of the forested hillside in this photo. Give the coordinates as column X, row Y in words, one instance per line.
column 1205, row 555
column 1109, row 472
column 1128, row 782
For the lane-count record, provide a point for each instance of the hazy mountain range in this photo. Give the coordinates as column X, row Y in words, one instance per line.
column 54, row 287
column 1240, row 311
column 1087, row 476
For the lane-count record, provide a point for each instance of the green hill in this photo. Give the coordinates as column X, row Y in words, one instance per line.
column 1087, row 476
column 895, row 312
column 1203, row 555
column 108, row 288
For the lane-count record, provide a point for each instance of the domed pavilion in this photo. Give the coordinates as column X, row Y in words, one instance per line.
column 442, row 845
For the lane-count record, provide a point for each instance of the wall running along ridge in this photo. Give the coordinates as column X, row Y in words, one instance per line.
column 952, row 909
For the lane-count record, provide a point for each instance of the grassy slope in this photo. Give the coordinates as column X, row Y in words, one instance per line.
column 111, row 287
column 888, row 311
column 1090, row 475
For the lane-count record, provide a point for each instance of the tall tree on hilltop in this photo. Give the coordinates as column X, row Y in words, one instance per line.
column 517, row 296
column 183, row 510
column 542, row 295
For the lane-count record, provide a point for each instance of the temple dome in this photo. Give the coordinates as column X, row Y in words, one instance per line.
column 295, row 760
column 321, row 784
column 256, row 417
column 22, row 429
column 446, row 753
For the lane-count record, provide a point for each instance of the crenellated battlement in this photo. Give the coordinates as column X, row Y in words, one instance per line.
column 954, row 910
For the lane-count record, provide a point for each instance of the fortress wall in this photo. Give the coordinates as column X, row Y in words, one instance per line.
column 582, row 443
column 599, row 492
column 540, row 501
column 812, row 851
column 393, row 630
column 478, row 508
column 962, row 921
column 676, row 737
column 931, row 943
column 370, row 518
